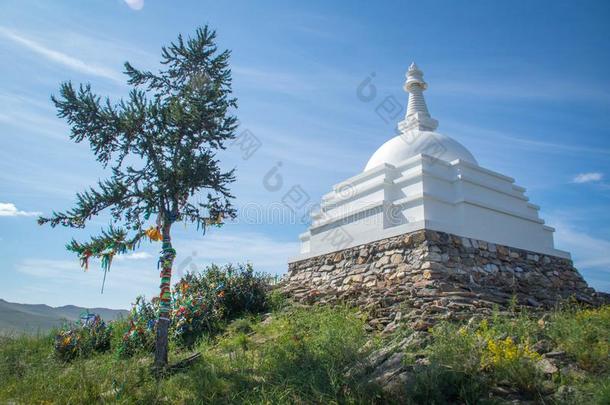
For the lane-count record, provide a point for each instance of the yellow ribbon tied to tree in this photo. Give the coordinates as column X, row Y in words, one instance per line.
column 154, row 234
column 214, row 221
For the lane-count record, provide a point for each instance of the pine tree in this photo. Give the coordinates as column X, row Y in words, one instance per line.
column 159, row 146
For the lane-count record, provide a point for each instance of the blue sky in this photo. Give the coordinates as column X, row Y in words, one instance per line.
column 524, row 86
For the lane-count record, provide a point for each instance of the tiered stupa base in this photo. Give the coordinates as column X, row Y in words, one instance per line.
column 426, row 275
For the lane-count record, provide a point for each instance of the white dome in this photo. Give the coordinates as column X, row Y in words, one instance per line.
column 412, row 143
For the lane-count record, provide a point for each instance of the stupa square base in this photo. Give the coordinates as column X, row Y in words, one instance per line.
column 426, row 275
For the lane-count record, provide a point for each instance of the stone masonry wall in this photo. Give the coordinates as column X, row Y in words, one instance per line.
column 427, row 275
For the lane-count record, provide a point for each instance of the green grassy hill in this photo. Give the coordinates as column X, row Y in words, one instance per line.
column 29, row 318
column 325, row 356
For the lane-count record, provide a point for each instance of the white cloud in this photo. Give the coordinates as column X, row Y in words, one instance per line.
column 135, row 4
column 587, row 177
column 10, row 210
column 59, row 57
column 134, row 256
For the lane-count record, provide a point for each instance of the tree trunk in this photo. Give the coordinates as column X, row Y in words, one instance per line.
column 167, row 259
column 161, row 343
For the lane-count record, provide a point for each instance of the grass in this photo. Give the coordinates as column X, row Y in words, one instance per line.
column 467, row 361
column 300, row 355
column 585, row 335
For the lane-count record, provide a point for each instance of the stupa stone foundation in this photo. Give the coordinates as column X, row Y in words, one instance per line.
column 427, row 275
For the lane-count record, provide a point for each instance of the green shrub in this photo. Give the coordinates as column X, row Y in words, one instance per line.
column 583, row 334
column 242, row 325
column 140, row 334
column 477, row 355
column 88, row 336
column 277, row 300
column 66, row 344
column 204, row 302
column 202, row 305
column 458, row 348
column 508, row 354
column 500, row 350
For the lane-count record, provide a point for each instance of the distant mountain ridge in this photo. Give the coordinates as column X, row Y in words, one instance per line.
column 33, row 318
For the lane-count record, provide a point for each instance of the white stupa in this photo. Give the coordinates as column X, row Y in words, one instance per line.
column 424, row 180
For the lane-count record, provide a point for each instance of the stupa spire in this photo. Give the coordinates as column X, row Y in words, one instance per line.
column 417, row 116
